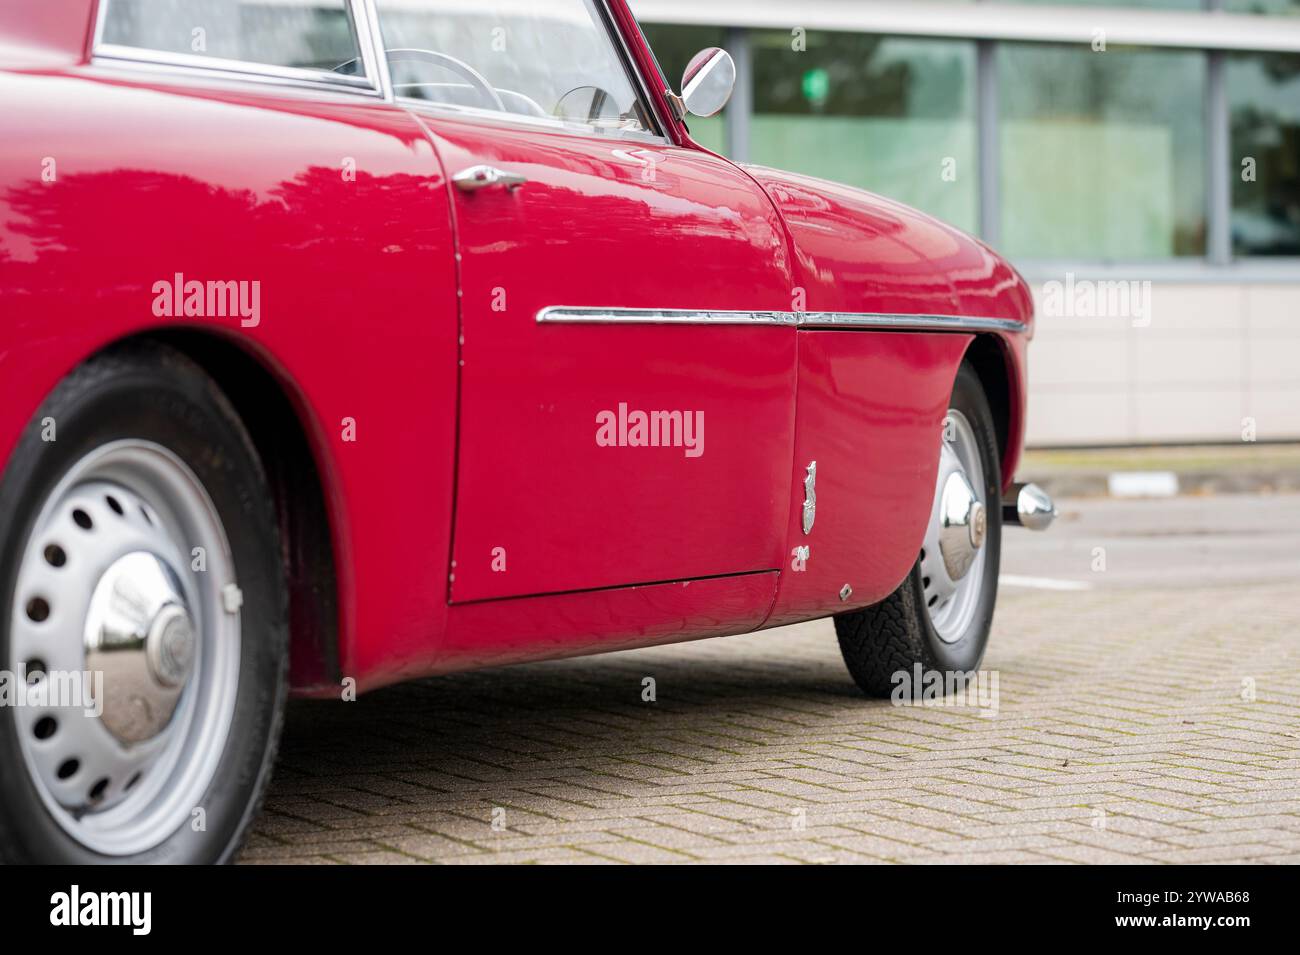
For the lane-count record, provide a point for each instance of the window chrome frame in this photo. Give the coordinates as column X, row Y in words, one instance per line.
column 360, row 14
column 624, row 52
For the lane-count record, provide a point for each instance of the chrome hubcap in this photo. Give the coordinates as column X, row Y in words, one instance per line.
column 961, row 525
column 952, row 558
column 122, row 624
column 139, row 633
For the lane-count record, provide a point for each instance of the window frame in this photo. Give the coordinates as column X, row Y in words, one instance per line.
column 368, row 83
column 375, row 82
column 1207, row 211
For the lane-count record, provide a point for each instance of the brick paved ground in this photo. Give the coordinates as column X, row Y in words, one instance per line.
column 1121, row 735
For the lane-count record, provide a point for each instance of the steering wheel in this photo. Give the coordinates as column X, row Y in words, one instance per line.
column 473, row 77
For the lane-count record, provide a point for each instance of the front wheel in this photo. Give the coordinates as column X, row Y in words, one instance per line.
column 940, row 616
column 142, row 618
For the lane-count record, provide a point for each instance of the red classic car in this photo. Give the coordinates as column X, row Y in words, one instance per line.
column 344, row 342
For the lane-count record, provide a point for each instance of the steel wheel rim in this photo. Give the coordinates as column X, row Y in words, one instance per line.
column 952, row 604
column 138, row 499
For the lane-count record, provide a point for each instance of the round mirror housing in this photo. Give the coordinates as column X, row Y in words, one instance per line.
column 708, row 81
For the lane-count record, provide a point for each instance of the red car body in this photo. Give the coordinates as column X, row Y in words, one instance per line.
column 430, row 439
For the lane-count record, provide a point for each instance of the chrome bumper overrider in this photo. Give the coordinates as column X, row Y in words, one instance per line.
column 1031, row 507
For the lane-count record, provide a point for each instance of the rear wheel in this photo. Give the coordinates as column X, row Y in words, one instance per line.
column 144, row 615
column 941, row 614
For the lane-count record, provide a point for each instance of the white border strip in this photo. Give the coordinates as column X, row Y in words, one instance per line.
column 1206, row 30
column 877, row 320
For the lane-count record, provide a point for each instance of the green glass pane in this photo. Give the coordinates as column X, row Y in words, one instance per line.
column 1265, row 7
column 1103, row 153
column 1264, row 116
column 881, row 155
column 709, row 131
column 892, row 115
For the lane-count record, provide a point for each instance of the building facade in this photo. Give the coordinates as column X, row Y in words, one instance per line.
column 1138, row 161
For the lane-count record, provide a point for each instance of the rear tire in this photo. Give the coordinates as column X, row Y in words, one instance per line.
column 149, row 458
column 899, row 633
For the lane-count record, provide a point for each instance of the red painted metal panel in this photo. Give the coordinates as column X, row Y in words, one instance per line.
column 39, row 32
column 858, row 252
column 359, row 320
column 543, row 502
column 357, row 292
column 870, row 413
column 1015, row 350
column 560, row 625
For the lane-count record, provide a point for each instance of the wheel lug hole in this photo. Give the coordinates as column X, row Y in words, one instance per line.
column 55, row 555
column 38, row 610
column 68, row 768
column 35, row 670
column 45, row 727
column 82, row 519
column 97, row 791
column 113, row 505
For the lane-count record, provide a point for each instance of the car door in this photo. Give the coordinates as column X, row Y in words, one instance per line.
column 616, row 426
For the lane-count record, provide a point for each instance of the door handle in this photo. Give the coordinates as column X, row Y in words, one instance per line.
column 480, row 177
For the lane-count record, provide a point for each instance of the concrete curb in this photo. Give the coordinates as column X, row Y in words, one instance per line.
column 1104, row 483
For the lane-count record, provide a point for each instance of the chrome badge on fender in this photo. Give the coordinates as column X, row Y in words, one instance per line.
column 810, row 498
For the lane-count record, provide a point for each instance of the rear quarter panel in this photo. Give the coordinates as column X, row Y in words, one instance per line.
column 109, row 185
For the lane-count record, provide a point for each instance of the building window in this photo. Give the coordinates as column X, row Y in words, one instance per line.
column 673, row 47
column 1103, row 154
column 892, row 115
column 1143, row 4
column 1291, row 7
column 1264, row 118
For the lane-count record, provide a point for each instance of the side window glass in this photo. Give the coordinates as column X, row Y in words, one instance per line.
column 299, row 34
column 553, row 60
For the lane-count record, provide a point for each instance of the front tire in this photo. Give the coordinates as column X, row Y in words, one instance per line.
column 932, row 620
column 138, row 540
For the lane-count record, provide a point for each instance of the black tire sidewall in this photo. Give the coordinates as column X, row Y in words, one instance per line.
column 152, row 393
column 966, row 653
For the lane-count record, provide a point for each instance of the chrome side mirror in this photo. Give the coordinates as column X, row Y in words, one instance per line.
column 708, row 81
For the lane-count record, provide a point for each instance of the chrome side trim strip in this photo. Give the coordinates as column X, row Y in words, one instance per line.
column 933, row 323
column 876, row 320
column 662, row 316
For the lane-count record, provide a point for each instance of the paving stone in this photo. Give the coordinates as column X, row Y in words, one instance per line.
column 1123, row 702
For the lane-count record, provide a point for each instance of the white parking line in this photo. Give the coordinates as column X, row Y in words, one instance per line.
column 1142, row 484
column 1043, row 583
